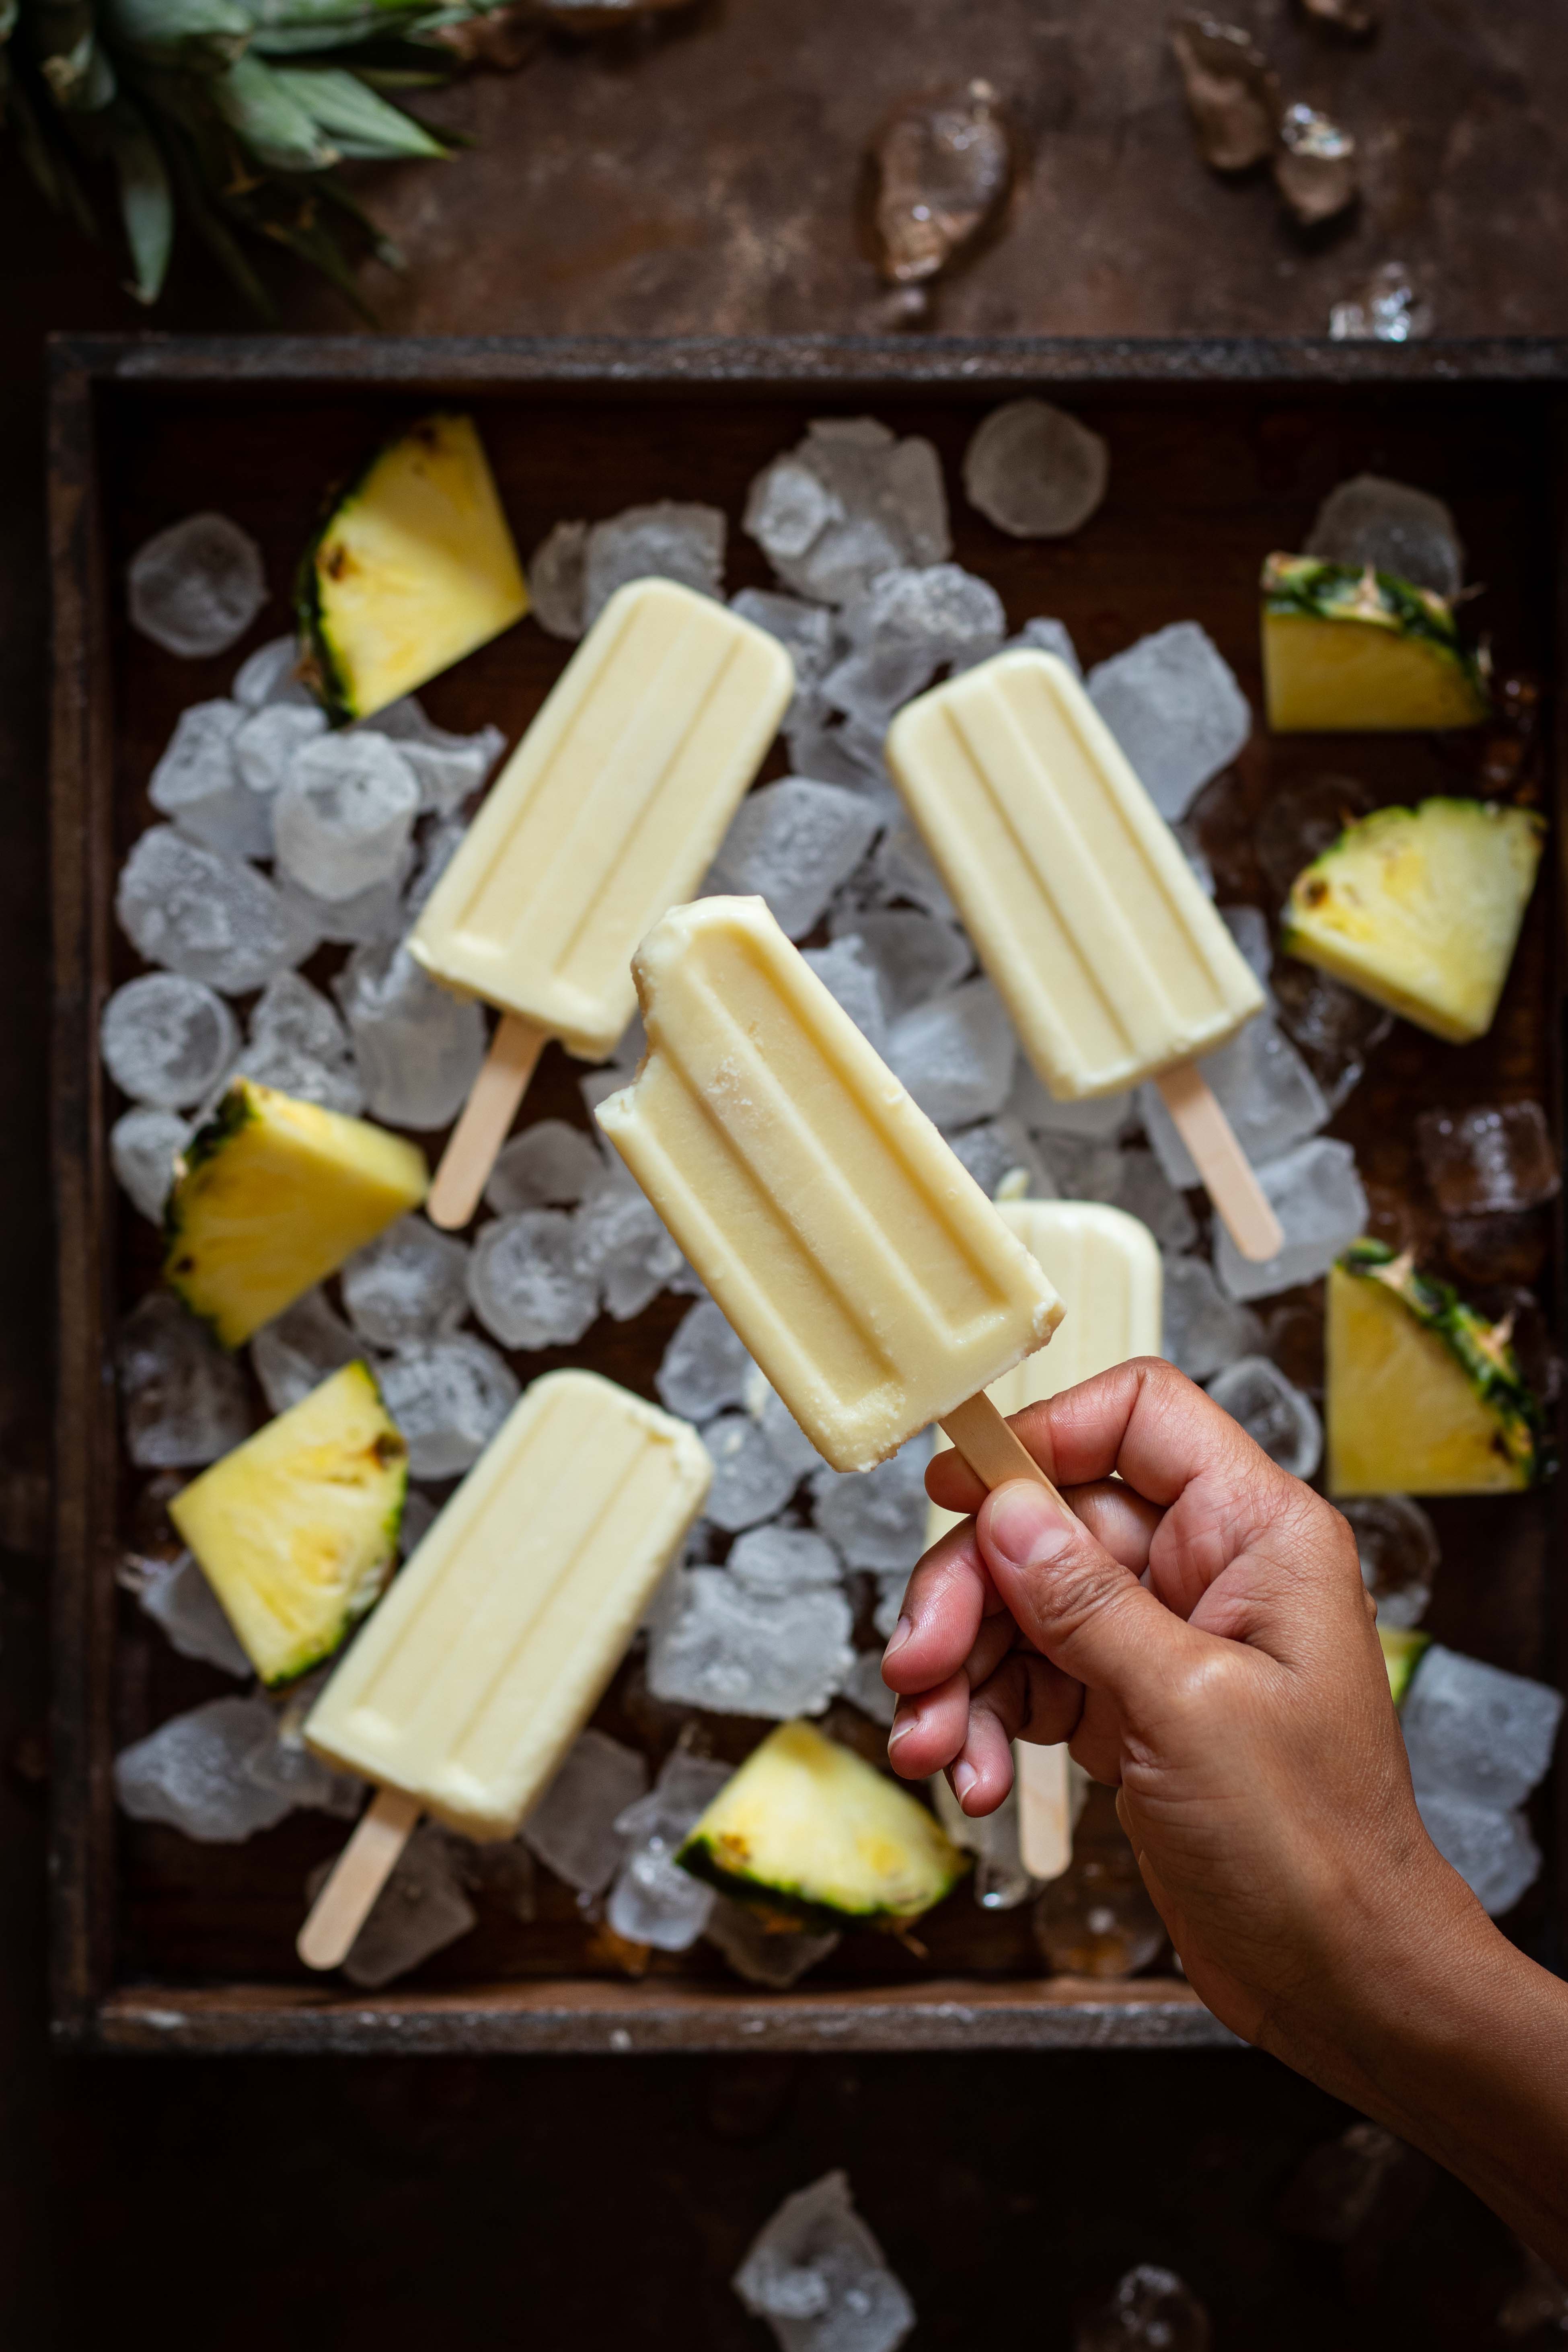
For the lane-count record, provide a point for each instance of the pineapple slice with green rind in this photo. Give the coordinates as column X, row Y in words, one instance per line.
column 1346, row 649
column 296, row 1530
column 1403, row 1648
column 414, row 567
column 1420, row 910
column 808, row 1832
column 272, row 1195
column 1424, row 1396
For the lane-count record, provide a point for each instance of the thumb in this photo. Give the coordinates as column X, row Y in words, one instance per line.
column 1081, row 1608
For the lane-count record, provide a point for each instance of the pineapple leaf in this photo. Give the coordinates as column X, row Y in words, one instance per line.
column 277, row 128
column 146, row 197
column 211, row 33
column 361, row 124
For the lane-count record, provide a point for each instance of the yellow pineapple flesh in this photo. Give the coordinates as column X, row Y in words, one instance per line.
column 296, row 1530
column 1403, row 1648
column 272, row 1195
column 1348, row 650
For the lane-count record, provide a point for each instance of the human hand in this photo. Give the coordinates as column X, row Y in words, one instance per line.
column 1201, row 1636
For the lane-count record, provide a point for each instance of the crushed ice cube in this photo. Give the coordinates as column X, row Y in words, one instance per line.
column 1315, row 167
column 167, row 1040
column 528, row 1281
column 1386, row 307
column 1173, row 703
column 448, row 1398
column 623, row 1246
column 571, row 1828
column 178, row 1597
column 1047, row 636
column 761, row 1952
column 705, row 1366
column 819, row 2278
column 1490, row 1847
column 298, row 1045
column 550, row 1165
column 1393, row 527
column 891, row 1590
column 419, row 1516
column 1489, row 1161
column 419, row 1048
column 792, row 842
column 1100, row 1119
column 781, row 1429
column 903, row 627
column 1273, row 1412
column 1316, row 1194
column 1300, row 820
column 296, row 1351
column 265, row 747
column 1203, row 1330
column 446, row 766
column 773, row 1561
column 1474, row 1731
column 1081, row 1170
column 210, row 917
column 197, row 784
column 750, row 1482
column 420, row 1910
column 376, row 912
column 725, row 1647
column 1034, row 471
column 998, row 1148
column 877, row 1517
column 342, row 819
column 849, row 501
column 1335, row 1028
column 500, row 1871
column 1264, row 1089
column 955, row 1054
column 914, row 956
column 410, row 1283
column 1397, row 1545
column 439, row 846
column 868, row 1692
column 142, row 1148
column 807, row 630
column 195, row 588
column 556, row 580
column 850, row 979
column 943, row 162
column 1145, row 1191
column 1249, row 927
column 667, row 540
column 192, row 1773
column 653, row 1901
column 184, row 1398
column 903, row 870
column 1151, row 2307
column 270, row 675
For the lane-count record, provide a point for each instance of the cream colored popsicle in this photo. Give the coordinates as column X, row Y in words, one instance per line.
column 1113, row 964
column 1105, row 1265
column 862, row 1264
column 611, row 809
column 494, row 1644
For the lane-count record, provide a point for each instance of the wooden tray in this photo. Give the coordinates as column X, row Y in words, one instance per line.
column 1220, row 452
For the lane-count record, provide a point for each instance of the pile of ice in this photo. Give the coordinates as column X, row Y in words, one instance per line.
column 1478, row 1741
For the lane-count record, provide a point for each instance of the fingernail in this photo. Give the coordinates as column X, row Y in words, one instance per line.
column 903, row 1724
column 1025, row 1523
column 902, row 1631
column 964, row 1776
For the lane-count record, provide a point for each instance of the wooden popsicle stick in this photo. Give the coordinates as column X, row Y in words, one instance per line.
column 486, row 1121
column 992, row 1450
column 357, row 1875
column 1228, row 1175
column 1044, row 1809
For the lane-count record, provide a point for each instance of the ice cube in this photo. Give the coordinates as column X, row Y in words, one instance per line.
column 1300, row 820
column 1316, row 1194
column 419, row 1048
column 1173, row 703
column 377, row 912
column 653, row 1901
column 906, row 625
column 448, row 768
column 178, row 1597
column 1474, row 1731
column 296, row 1351
column 191, row 1773
column 915, row 957
column 877, row 1517
column 777, row 1561
column 817, row 2274
column 500, row 1872
column 1491, row 1849
column 623, row 1246
column 891, row 1590
column 1315, row 166
column 834, row 750
column 943, row 162
column 1146, row 1191
column 1273, row 1412
column 705, row 1367
column 270, row 675
column 724, row 1647
column 438, row 845
column 1393, row 527
column 792, row 842
column 1047, row 636
column 344, row 816
column 1081, row 1170
column 1491, row 1161
column 143, row 1148
column 167, row 1040
column 555, row 580
column 410, row 1283
column 1264, row 1089
column 528, row 1282
column 750, row 1482
column 1096, row 1919
column 1151, row 2307
column 667, row 540
column 867, row 1689
column 903, row 870
column 286, row 1766
column 298, row 1045
column 571, row 1828
column 448, row 1397
column 210, row 917
column 197, row 784
column 1099, row 1120
column 782, row 1432
column 850, row 978
column 848, row 502
column 184, row 1398
column 761, row 1952
column 1399, row 1554
column 806, row 629
column 956, row 1054
column 195, row 588
column 419, row 1516
column 1203, row 1330
column 1335, row 1028
column 998, row 1148
column 1249, row 927
column 550, row 1165
column 420, row 1910
column 1034, row 471
column 265, row 747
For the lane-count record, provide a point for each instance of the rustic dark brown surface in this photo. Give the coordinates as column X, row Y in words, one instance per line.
column 378, row 2204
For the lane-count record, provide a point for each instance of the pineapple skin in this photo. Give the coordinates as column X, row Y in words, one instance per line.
column 272, row 1195
column 433, row 483
column 1351, row 651
column 1373, row 911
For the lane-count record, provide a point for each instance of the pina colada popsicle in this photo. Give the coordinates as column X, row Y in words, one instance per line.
column 1113, row 964
column 610, row 810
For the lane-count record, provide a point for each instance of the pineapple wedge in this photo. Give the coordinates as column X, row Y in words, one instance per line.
column 1347, row 649
column 1425, row 1397
column 273, row 1194
column 297, row 1530
column 1420, row 910
column 809, row 1832
column 1403, row 1648
column 413, row 568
